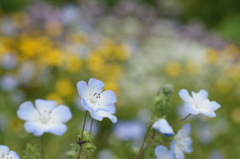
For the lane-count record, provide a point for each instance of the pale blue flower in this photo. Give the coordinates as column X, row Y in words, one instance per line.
column 163, row 153
column 182, row 143
column 129, row 130
column 199, row 103
column 5, row 153
column 46, row 117
column 163, row 127
column 99, row 103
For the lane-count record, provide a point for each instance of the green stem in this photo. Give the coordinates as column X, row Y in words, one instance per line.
column 42, row 146
column 91, row 125
column 82, row 135
column 145, row 137
column 180, row 121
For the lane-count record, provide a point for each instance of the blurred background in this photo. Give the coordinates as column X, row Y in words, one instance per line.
column 134, row 47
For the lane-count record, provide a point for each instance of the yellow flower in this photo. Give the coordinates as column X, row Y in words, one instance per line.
column 55, row 97
column 110, row 85
column 192, row 67
column 73, row 63
column 64, row 88
column 232, row 51
column 224, row 85
column 173, row 69
column 235, row 115
column 54, row 28
column 211, row 56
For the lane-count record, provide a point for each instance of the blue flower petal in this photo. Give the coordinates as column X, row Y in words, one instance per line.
column 183, row 93
column 83, row 90
column 95, row 86
column 57, row 129
column 163, row 127
column 34, row 128
column 27, row 111
column 43, row 105
column 61, row 114
column 108, row 97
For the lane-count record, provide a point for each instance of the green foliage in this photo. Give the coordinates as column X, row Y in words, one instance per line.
column 31, row 152
column 160, row 104
column 88, row 146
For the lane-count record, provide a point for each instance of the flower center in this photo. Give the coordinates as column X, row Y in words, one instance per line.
column 44, row 116
column 94, row 98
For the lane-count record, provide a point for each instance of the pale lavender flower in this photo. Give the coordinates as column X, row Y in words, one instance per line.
column 182, row 143
column 99, row 104
column 46, row 117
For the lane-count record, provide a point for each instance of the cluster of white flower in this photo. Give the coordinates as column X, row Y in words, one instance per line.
column 182, row 143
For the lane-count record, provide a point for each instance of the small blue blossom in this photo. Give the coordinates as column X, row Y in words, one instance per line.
column 5, row 153
column 163, row 153
column 182, row 143
column 129, row 130
column 199, row 103
column 163, row 127
column 99, row 103
column 46, row 117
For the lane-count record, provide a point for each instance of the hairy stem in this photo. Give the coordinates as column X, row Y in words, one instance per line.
column 82, row 135
column 142, row 151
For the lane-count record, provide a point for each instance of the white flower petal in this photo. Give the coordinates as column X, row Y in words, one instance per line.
column 4, row 150
column 111, row 109
column 27, row 111
column 61, row 113
column 96, row 116
column 113, row 118
column 163, row 127
column 201, row 95
column 108, row 97
column 190, row 109
column 57, row 129
column 43, row 105
column 95, row 86
column 83, row 90
column 186, row 130
column 183, row 93
column 86, row 106
column 35, row 128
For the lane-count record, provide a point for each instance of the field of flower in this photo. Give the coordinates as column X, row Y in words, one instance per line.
column 144, row 58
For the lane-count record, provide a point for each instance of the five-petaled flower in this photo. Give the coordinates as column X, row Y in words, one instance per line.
column 163, row 153
column 5, row 153
column 182, row 142
column 99, row 103
column 46, row 117
column 163, row 127
column 199, row 103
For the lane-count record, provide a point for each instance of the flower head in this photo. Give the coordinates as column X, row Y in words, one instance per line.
column 163, row 127
column 163, row 153
column 182, row 142
column 199, row 103
column 5, row 153
column 46, row 117
column 100, row 104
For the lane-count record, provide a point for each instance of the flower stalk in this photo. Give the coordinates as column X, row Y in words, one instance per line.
column 80, row 140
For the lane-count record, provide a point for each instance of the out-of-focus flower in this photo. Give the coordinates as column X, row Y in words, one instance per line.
column 163, row 127
column 9, row 82
column 182, row 142
column 199, row 103
column 99, row 104
column 129, row 130
column 163, row 153
column 46, row 117
column 5, row 153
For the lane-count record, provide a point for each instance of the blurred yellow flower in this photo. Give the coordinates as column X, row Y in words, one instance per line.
column 224, row 85
column 110, row 85
column 54, row 28
column 173, row 69
column 232, row 51
column 211, row 55
column 64, row 88
column 55, row 97
column 235, row 115
column 192, row 67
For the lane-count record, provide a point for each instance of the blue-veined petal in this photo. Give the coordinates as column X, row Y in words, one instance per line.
column 61, row 114
column 95, row 86
column 57, row 129
column 27, row 111
column 108, row 97
column 44, row 105
column 35, row 128
column 83, row 89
